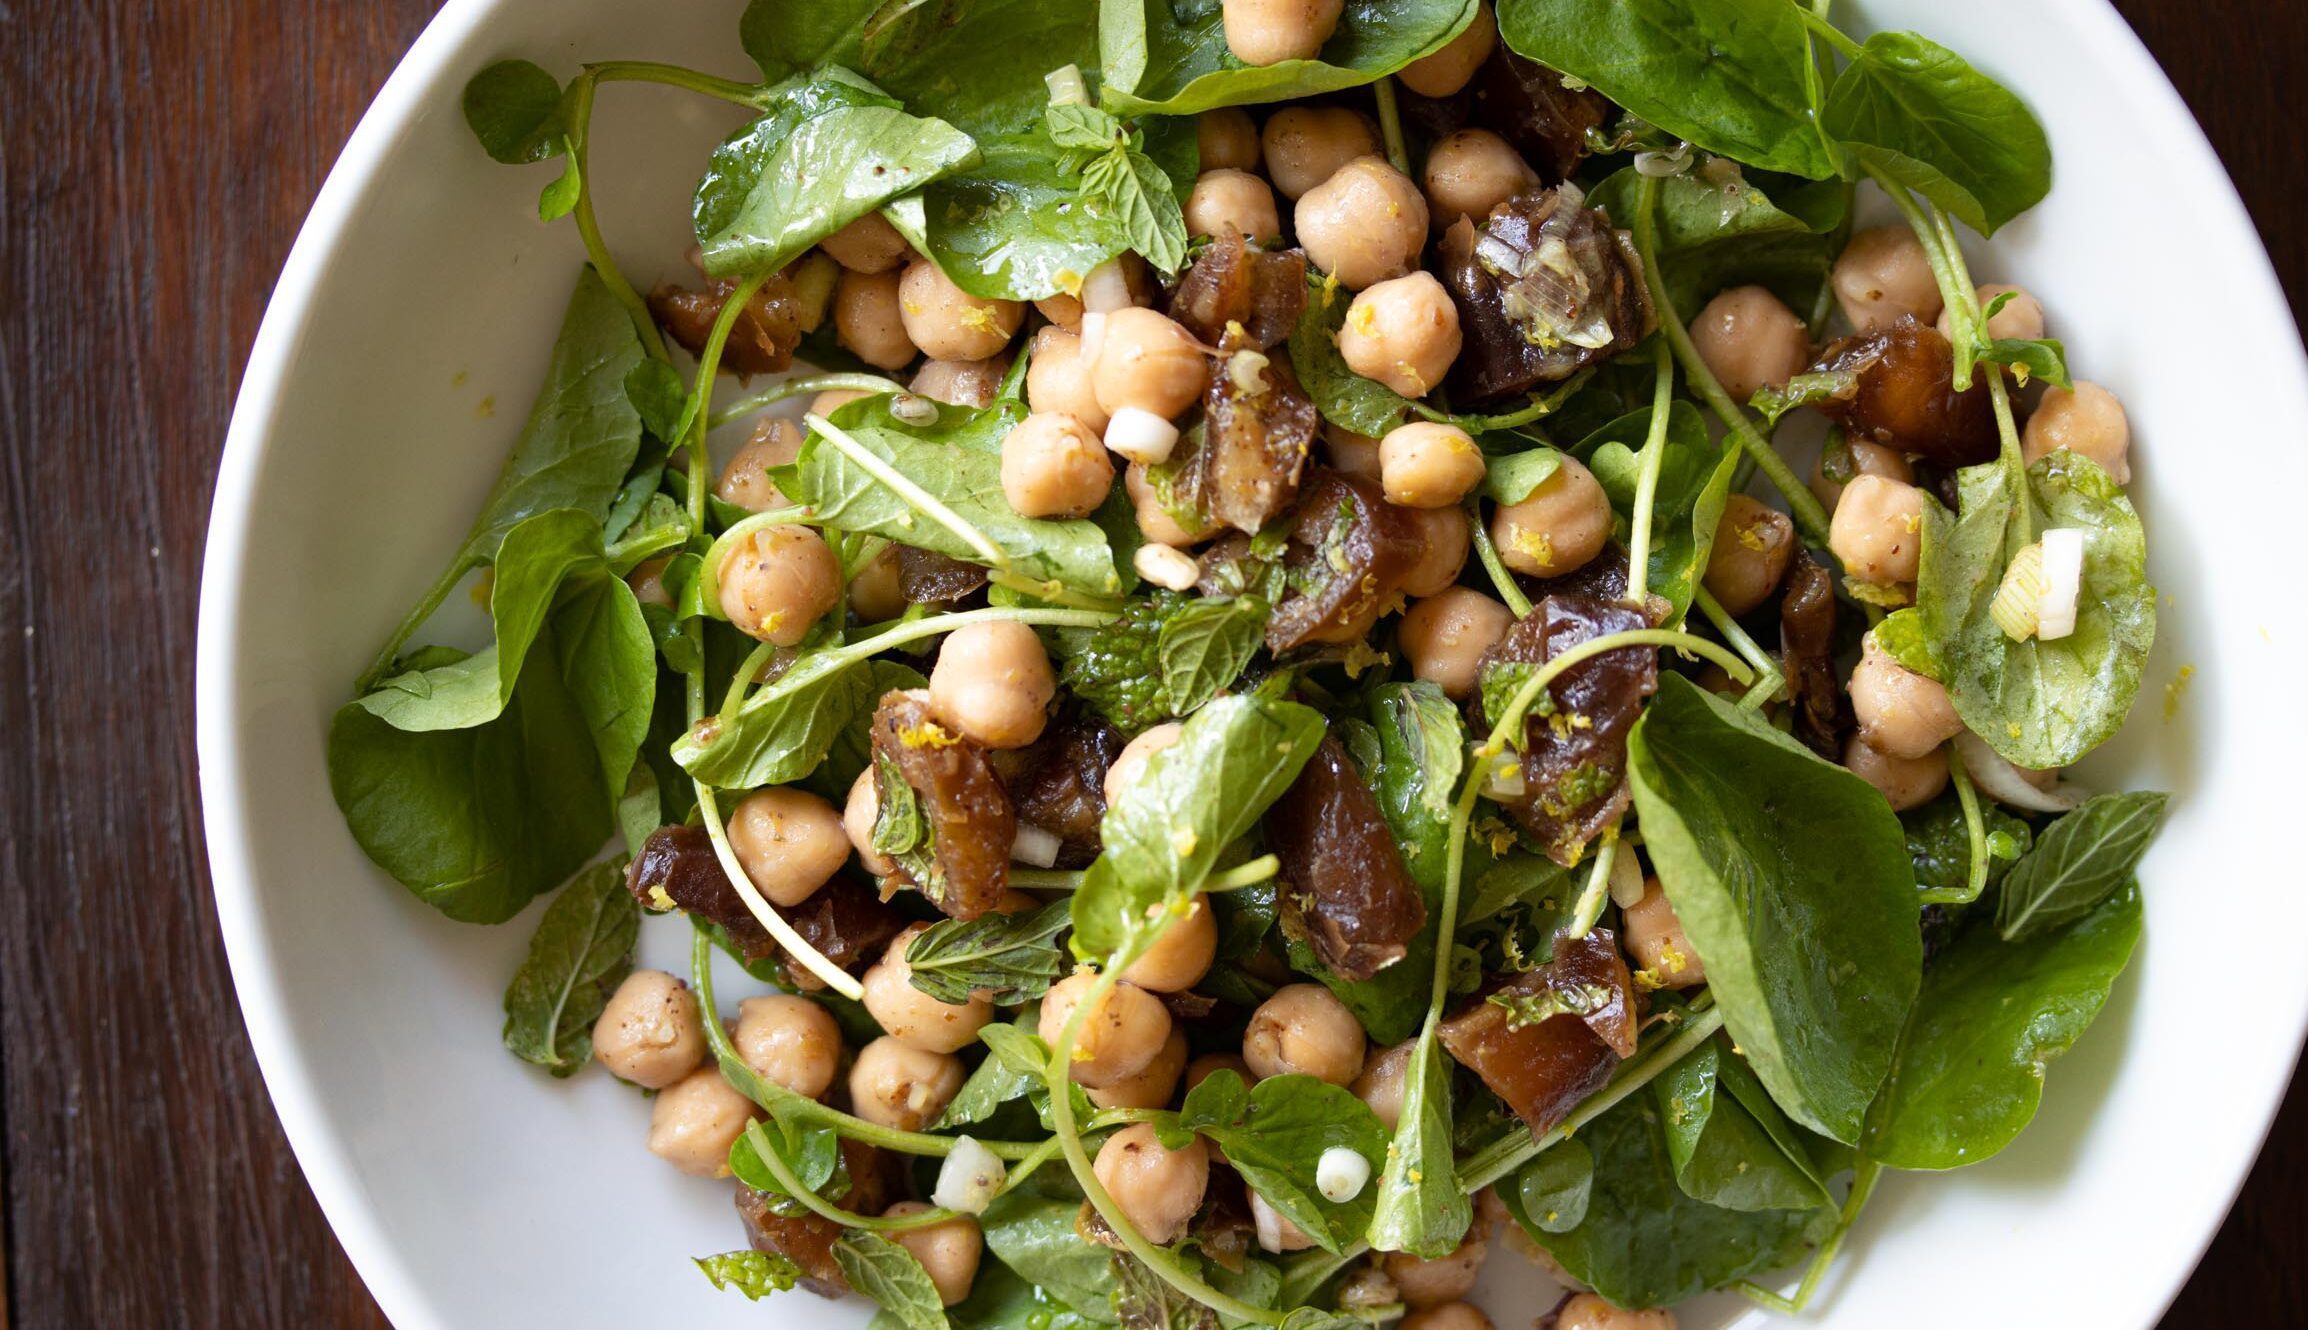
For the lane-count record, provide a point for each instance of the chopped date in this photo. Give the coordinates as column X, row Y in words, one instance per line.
column 1904, row 395
column 1545, row 287
column 971, row 818
column 1341, row 565
column 779, row 1227
column 1548, row 1038
column 1060, row 785
column 760, row 342
column 844, row 920
column 1343, row 887
column 1233, row 284
column 1807, row 651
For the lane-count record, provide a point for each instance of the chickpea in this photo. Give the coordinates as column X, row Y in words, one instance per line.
column 745, row 480
column 1588, row 1312
column 1750, row 340
column 649, row 1032
column 1446, row 634
column 867, row 319
column 1118, row 1038
column 1053, row 466
column 949, row 1250
column 1354, row 454
column 2021, row 319
column 913, row 1017
column 1147, row 361
column 1882, row 277
column 1380, row 1085
column 1878, row 530
column 1447, row 1316
column 1180, row 955
column 1305, row 145
column 1557, row 527
column 993, row 683
column 1059, row 380
column 1154, row 1085
column 647, row 582
column 790, row 841
column 875, row 593
column 1157, row 1190
column 1228, row 139
column 892, row 1085
column 1304, row 1029
column 789, row 1041
column 1753, row 546
column 948, row 323
column 1429, row 464
column 1901, row 713
column 1061, row 309
column 1450, row 69
column 868, row 245
column 1130, row 763
column 1199, row 1069
column 1905, row 782
column 1268, row 32
column 1365, row 224
column 779, row 583
column 1229, row 200
column 1859, row 458
column 970, row 383
column 1655, row 938
column 834, row 399
column 1442, row 1280
column 694, row 1121
column 1403, row 333
column 1470, row 172
column 1157, row 524
column 1275, row 1232
column 2088, row 421
column 1443, row 540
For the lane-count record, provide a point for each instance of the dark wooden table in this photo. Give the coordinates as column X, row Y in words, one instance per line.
column 158, row 157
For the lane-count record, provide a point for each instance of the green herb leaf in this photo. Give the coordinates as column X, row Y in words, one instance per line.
column 1776, row 400
column 1015, row 226
column 1172, row 59
column 1144, row 1300
column 889, row 1274
column 581, row 951
column 1012, row 957
column 1000, row 1300
column 1791, row 877
column 1731, row 76
column 1928, row 119
column 2046, row 359
column 1275, row 1134
column 1421, row 1208
column 996, row 1082
column 514, row 108
column 1164, row 657
column 1939, row 843
column 1031, row 1229
column 1694, row 484
column 1714, row 234
column 826, row 153
column 1732, row 1150
column 1511, row 479
column 2081, row 860
column 1991, row 1015
column 1204, row 647
column 1554, row 1188
column 756, row 1274
column 976, row 63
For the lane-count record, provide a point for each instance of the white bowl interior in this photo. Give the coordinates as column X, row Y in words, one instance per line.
column 400, row 354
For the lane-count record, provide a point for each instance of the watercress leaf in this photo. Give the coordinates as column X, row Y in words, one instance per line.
column 514, row 109
column 1163, row 837
column 1643, row 1242
column 783, row 730
column 1723, row 1153
column 1694, row 484
column 1204, row 646
column 1791, row 877
column 1172, row 59
column 889, row 1275
column 1554, row 1188
column 1939, row 843
column 2040, row 704
column 1031, row 1228
column 660, row 527
column 1000, row 1300
column 1516, row 879
column 1931, row 121
column 756, row 1274
column 1067, row 555
column 1344, row 398
column 996, row 1082
column 2046, row 359
column 1510, row 479
column 1718, row 233
column 811, row 1151
column 658, row 393
column 976, row 63
column 560, row 198
column 1017, row 225
column 1275, row 1135
column 1991, row 1016
column 787, row 39
column 1144, row 1300
column 1011, row 957
column 477, row 822
column 2080, row 861
column 826, row 153
column 1728, row 75
column 1421, row 1208
column 581, row 951
column 1775, row 400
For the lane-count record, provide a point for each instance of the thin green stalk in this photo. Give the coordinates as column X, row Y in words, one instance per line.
column 1046, row 879
column 1863, row 1180
column 1247, row 875
column 826, row 662
column 1647, row 479
column 790, row 1182
column 727, row 543
column 1510, row 591
column 1766, row 669
column 708, row 365
column 796, row 946
column 809, row 387
column 1530, row 413
column 1810, row 516
column 389, row 654
column 1598, row 889
column 756, row 661
column 1975, row 834
column 748, row 95
column 1815, row 18
column 1390, row 125
column 904, row 487
column 581, row 90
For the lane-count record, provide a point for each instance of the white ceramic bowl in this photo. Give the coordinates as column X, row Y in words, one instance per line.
column 410, row 328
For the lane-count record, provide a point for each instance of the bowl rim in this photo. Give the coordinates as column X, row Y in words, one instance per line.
column 416, row 82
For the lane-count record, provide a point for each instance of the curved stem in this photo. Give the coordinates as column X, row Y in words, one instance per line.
column 727, row 543
column 1816, row 20
column 1528, row 695
column 817, row 383
column 390, row 654
column 1510, row 591
column 796, row 946
column 1390, row 125
column 1598, row 888
column 822, row 663
column 676, row 76
column 1647, row 479
column 755, row 661
column 1975, row 835
column 581, row 92
column 709, row 364
column 1766, row 669
column 1247, row 875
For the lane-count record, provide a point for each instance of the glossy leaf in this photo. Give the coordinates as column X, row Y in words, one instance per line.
column 1694, row 484
column 2079, row 861
column 1714, row 234
column 1274, row 1134
column 1921, row 113
column 1421, row 1208
column 514, row 109
column 978, row 64
column 1725, row 1152
column 1011, row 958
column 1172, row 59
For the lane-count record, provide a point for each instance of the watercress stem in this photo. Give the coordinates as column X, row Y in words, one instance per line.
column 1810, row 516
column 1046, row 879
column 1390, row 125
column 1510, row 591
column 807, row 387
column 1598, row 889
column 581, row 91
column 1766, row 670
column 709, row 568
column 756, row 660
column 748, row 95
column 796, row 946
column 1975, row 834
column 389, row 654
column 1647, row 477
column 1247, row 875
column 1863, row 1180
column 709, row 364
column 822, row 663
column 1815, row 18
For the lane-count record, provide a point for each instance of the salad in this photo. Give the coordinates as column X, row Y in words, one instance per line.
column 1258, row 687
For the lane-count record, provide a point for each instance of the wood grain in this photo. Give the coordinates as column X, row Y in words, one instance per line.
column 156, row 158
